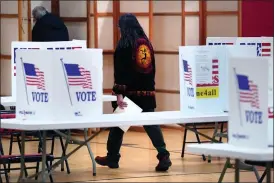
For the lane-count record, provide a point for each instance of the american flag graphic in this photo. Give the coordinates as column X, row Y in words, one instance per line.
column 14, row 53
column 215, row 75
column 221, row 43
column 34, row 77
column 78, row 76
column 248, row 91
column 187, row 72
column 263, row 49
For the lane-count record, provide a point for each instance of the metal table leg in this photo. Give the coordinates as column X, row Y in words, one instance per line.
column 226, row 166
column 237, row 170
column 268, row 173
column 90, row 151
column 44, row 146
column 80, row 144
column 22, row 158
column 201, row 134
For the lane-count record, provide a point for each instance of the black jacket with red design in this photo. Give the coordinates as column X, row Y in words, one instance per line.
column 134, row 74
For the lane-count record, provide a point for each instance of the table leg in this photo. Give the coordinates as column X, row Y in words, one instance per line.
column 56, row 164
column 237, row 170
column 268, row 173
column 90, row 151
column 44, row 150
column 22, row 158
column 201, row 134
column 65, row 149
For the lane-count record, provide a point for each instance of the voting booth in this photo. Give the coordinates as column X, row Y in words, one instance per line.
column 248, row 101
column 59, row 84
column 201, row 79
column 18, row 45
column 261, row 47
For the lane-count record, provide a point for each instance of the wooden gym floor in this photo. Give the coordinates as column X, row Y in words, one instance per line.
column 138, row 162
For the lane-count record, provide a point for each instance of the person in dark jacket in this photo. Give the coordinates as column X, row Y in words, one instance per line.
column 48, row 27
column 134, row 74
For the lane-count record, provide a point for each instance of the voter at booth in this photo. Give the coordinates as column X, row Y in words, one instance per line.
column 134, row 73
column 48, row 27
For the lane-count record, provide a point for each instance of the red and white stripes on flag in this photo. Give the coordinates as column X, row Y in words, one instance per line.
column 188, row 75
column 264, row 49
column 37, row 80
column 87, row 77
column 250, row 96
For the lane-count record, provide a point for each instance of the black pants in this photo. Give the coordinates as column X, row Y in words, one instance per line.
column 116, row 136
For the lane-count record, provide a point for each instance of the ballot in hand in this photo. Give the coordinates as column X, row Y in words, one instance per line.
column 121, row 104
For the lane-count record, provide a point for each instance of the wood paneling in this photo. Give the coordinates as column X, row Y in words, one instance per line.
column 151, row 19
column 20, row 21
column 88, row 5
column 55, row 7
column 74, row 19
column 239, row 18
column 183, row 22
column 5, row 57
column 29, row 20
column 8, row 15
column 95, row 24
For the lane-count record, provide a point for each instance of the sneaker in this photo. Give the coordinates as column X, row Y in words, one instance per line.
column 164, row 163
column 104, row 161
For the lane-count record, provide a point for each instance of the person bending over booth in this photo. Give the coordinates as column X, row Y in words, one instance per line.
column 134, row 74
column 48, row 27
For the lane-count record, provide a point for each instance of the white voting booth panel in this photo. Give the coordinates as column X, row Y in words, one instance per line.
column 201, row 79
column 62, row 45
column 59, row 84
column 248, row 101
column 263, row 48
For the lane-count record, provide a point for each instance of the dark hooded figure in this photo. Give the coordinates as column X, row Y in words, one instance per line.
column 134, row 75
column 48, row 27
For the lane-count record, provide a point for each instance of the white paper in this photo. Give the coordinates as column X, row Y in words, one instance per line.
column 204, row 67
column 131, row 108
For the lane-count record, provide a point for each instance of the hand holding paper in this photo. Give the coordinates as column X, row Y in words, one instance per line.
column 120, row 102
column 131, row 108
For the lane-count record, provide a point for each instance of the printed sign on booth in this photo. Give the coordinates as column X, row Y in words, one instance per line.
column 59, row 85
column 63, row 45
column 200, row 79
column 248, row 101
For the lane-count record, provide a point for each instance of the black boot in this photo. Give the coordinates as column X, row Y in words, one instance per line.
column 164, row 162
column 111, row 162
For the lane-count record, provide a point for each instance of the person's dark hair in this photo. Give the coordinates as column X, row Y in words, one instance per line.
column 130, row 30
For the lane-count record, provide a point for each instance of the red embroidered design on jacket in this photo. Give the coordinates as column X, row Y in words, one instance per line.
column 143, row 56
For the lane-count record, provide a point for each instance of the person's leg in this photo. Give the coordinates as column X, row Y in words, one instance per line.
column 113, row 147
column 114, row 143
column 155, row 134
